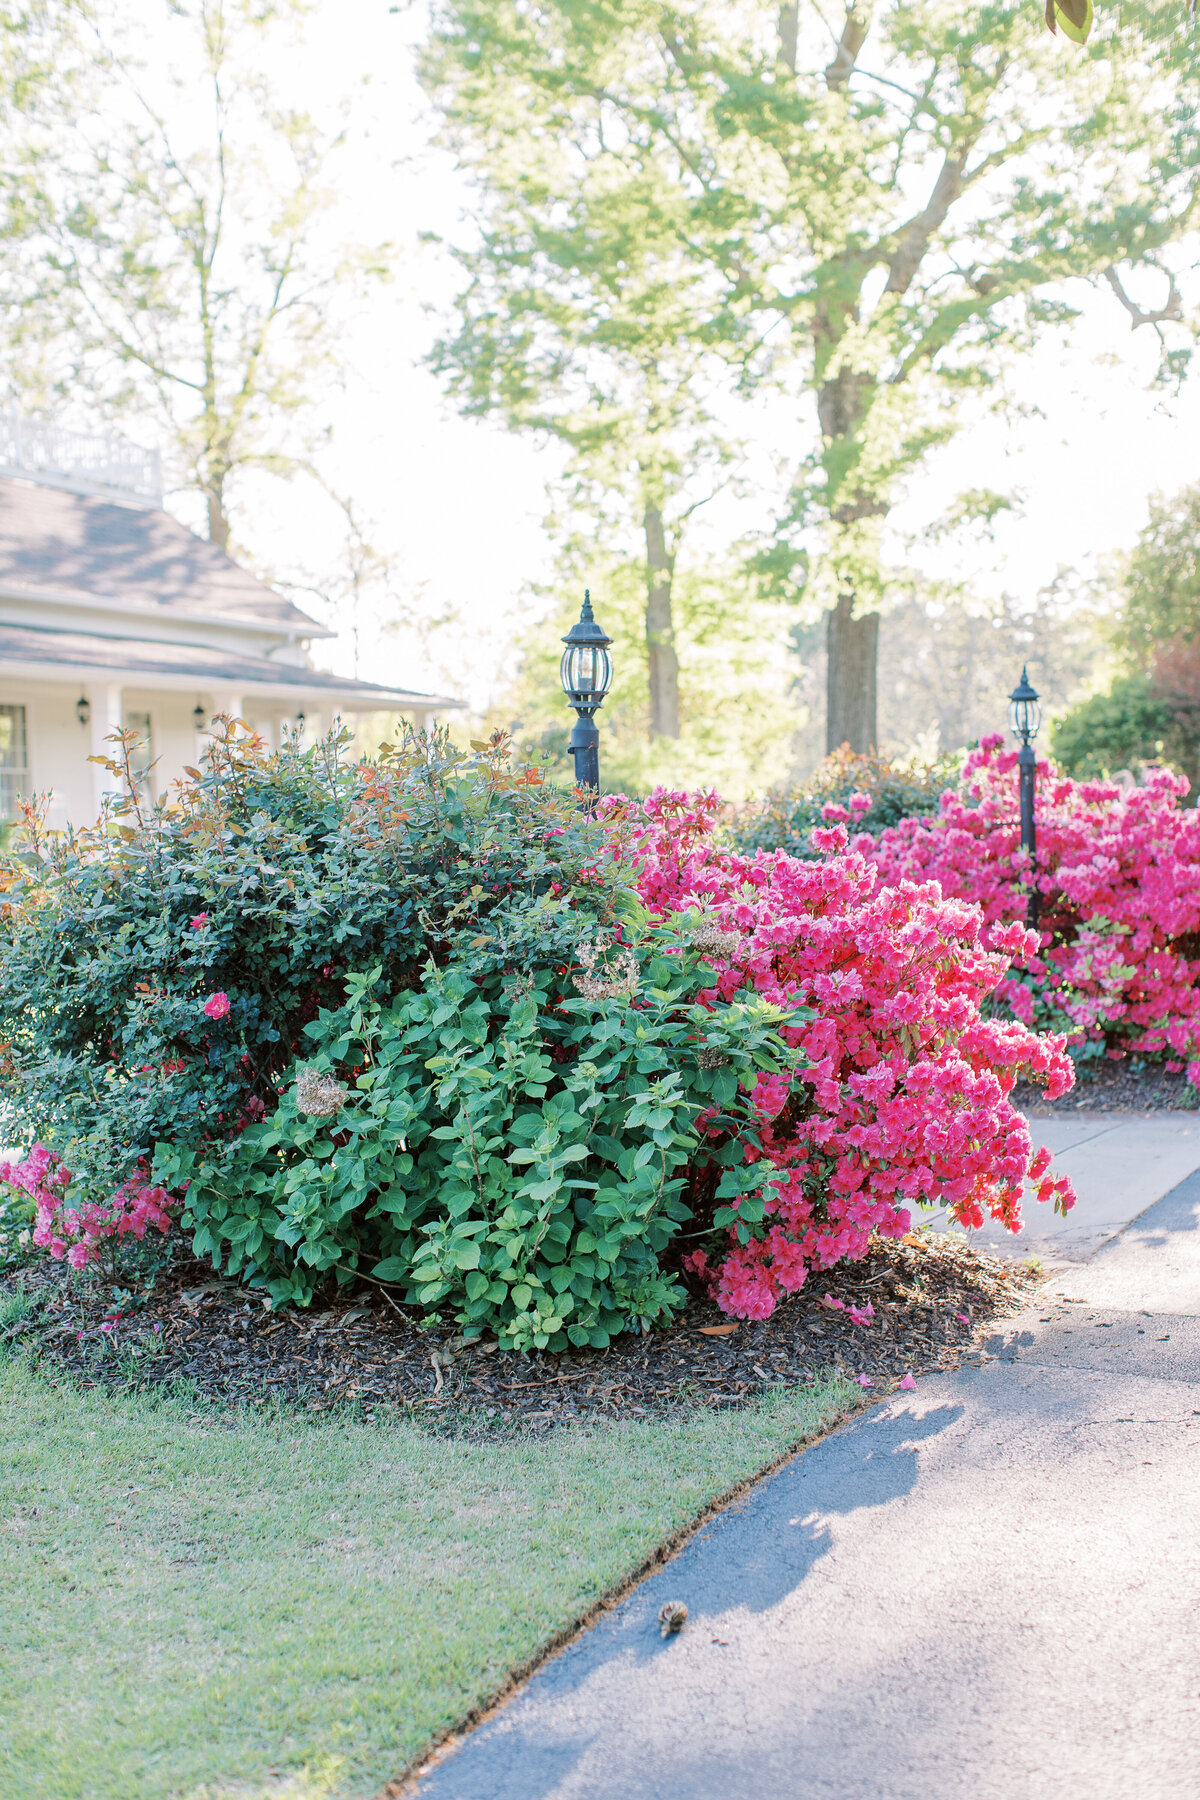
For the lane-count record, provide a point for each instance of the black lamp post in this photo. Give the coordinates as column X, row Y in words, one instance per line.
column 1024, row 717
column 586, row 677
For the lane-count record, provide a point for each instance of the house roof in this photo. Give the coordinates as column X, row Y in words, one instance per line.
column 38, row 651
column 60, row 544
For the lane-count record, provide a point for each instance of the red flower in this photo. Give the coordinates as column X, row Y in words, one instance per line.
column 216, row 1006
column 200, row 921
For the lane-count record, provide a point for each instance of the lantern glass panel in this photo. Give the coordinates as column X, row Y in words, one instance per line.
column 586, row 672
column 1024, row 718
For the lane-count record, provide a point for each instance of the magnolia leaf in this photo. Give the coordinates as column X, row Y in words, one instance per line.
column 1075, row 17
column 717, row 1330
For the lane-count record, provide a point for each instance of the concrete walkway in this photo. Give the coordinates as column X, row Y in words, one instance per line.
column 985, row 1590
column 1120, row 1163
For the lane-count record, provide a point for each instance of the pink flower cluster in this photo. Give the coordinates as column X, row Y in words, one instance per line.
column 1117, row 962
column 900, row 1095
column 74, row 1233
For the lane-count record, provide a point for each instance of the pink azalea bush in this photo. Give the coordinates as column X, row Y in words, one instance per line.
column 1117, row 960
column 77, row 1232
column 901, row 1091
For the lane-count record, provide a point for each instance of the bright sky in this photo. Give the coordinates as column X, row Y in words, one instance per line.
column 462, row 502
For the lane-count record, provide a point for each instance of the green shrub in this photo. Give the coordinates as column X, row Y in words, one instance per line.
column 257, row 888
column 785, row 818
column 1128, row 727
column 402, row 1019
column 498, row 1144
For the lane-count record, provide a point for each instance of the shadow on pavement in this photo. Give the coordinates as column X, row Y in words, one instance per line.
column 741, row 1560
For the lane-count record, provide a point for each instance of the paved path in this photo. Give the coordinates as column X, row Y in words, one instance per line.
column 986, row 1590
column 1121, row 1163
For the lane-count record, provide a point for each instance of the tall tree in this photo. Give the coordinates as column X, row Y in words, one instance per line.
column 168, row 245
column 585, row 320
column 875, row 217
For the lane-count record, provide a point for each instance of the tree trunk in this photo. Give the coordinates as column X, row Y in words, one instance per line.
column 789, row 29
column 218, row 524
column 850, row 681
column 660, row 630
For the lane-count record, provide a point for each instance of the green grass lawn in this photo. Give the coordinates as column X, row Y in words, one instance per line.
column 198, row 1605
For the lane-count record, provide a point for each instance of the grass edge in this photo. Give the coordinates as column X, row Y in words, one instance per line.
column 400, row 1787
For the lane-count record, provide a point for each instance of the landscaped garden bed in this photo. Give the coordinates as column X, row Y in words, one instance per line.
column 430, row 1199
column 1127, row 1086
column 919, row 1304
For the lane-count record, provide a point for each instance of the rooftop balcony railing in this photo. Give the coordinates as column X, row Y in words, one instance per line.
column 85, row 462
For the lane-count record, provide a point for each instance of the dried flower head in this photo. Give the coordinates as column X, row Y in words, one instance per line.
column 318, row 1094
column 710, row 938
column 617, row 979
column 711, row 1058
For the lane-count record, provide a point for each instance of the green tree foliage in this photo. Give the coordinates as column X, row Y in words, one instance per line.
column 870, row 226
column 1126, row 728
column 585, row 318
column 1152, row 710
column 167, row 244
column 1160, row 581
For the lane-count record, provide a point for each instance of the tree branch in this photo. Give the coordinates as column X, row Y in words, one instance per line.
column 1172, row 310
column 854, row 36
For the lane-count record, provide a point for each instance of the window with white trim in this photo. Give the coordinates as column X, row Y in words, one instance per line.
column 14, row 762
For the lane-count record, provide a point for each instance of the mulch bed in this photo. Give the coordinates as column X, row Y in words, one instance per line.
column 934, row 1298
column 1114, row 1087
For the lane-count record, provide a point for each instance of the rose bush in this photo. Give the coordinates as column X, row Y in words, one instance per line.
column 901, row 1092
column 1117, row 959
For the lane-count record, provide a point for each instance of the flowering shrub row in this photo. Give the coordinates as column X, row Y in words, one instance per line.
column 1117, row 959
column 901, row 1091
column 421, row 1021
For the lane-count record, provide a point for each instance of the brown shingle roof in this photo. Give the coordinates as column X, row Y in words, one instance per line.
column 54, row 540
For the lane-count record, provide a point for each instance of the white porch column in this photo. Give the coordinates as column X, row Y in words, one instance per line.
column 228, row 700
column 104, row 698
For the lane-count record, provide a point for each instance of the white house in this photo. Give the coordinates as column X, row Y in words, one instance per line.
column 112, row 614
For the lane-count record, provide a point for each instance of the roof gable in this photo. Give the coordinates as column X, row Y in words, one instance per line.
column 137, row 556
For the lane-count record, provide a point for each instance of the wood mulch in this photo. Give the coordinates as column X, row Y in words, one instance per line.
column 1104, row 1086
column 934, row 1299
